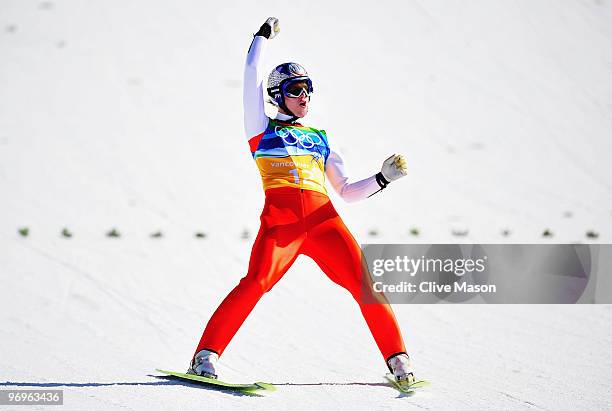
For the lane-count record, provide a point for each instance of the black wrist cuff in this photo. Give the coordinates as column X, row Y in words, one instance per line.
column 264, row 31
column 381, row 180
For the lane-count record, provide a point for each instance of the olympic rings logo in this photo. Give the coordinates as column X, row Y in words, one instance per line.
column 293, row 136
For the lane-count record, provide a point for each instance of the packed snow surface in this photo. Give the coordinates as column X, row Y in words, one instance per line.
column 128, row 115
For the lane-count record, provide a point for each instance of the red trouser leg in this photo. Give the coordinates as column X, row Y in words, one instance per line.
column 276, row 247
column 333, row 248
column 297, row 222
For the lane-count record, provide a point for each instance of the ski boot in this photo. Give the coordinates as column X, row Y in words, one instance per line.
column 401, row 368
column 203, row 364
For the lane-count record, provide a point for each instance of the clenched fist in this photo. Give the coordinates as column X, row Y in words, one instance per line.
column 394, row 167
column 269, row 29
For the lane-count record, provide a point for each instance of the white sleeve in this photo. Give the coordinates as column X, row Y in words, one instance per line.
column 336, row 174
column 255, row 120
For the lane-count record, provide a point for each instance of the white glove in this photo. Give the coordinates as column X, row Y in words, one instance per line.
column 269, row 29
column 394, row 167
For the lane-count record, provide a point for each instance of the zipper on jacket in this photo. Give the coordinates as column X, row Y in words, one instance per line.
column 303, row 211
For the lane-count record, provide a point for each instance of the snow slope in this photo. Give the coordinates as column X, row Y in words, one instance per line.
column 128, row 115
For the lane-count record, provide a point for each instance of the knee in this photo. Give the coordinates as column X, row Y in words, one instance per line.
column 355, row 288
column 363, row 292
column 256, row 284
column 368, row 295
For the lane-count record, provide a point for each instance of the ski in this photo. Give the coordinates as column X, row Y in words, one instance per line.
column 404, row 387
column 256, row 386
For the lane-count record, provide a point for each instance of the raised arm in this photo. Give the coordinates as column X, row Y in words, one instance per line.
column 255, row 120
column 393, row 168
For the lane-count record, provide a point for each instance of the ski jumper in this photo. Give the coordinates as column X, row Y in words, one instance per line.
column 298, row 218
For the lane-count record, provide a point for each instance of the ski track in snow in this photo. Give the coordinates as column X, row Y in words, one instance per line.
column 130, row 118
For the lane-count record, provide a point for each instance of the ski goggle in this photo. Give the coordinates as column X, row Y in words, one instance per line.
column 298, row 88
